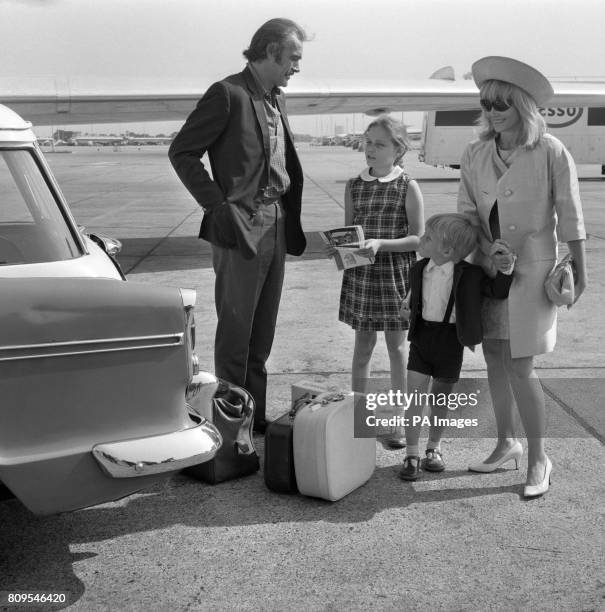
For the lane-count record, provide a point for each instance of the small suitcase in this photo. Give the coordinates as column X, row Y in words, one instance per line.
column 329, row 461
column 232, row 414
column 279, row 452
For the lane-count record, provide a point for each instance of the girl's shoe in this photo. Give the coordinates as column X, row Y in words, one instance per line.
column 514, row 452
column 394, row 441
column 542, row 487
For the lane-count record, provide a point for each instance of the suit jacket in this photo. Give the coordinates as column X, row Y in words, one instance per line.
column 230, row 124
column 470, row 284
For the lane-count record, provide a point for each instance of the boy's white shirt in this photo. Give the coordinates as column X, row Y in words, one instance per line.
column 437, row 284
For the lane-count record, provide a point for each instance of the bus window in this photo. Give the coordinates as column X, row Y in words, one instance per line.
column 596, row 116
column 454, row 118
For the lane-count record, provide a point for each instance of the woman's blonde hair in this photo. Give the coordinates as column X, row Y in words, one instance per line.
column 396, row 130
column 533, row 125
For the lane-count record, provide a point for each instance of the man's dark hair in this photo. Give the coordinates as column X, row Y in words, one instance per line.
column 274, row 31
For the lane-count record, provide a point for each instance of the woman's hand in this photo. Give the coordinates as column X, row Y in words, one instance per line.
column 578, row 255
column 579, row 287
column 503, row 256
column 404, row 310
column 370, row 247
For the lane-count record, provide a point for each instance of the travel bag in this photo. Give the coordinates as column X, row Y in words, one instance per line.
column 329, row 461
column 233, row 416
column 279, row 451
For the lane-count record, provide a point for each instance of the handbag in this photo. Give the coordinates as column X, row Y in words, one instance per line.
column 559, row 284
column 233, row 415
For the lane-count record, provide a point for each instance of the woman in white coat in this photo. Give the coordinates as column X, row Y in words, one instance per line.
column 519, row 184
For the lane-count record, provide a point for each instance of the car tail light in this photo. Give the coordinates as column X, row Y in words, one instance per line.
column 195, row 362
column 191, row 327
column 189, row 297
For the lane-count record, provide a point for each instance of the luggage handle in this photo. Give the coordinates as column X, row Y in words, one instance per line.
column 326, row 398
column 302, row 401
column 323, row 399
column 243, row 448
column 243, row 439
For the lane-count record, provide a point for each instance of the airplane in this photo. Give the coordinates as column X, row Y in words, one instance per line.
column 65, row 101
column 148, row 140
column 95, row 140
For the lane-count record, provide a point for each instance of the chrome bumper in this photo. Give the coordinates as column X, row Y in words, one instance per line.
column 200, row 392
column 157, row 454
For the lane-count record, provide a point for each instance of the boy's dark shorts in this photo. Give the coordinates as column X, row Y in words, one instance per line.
column 436, row 351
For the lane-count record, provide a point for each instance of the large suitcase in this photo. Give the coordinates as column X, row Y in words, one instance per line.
column 329, row 461
column 232, row 414
column 279, row 450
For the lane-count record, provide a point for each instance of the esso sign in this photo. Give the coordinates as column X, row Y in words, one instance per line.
column 561, row 117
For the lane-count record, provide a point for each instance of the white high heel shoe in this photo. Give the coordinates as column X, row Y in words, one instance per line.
column 514, row 452
column 542, row 487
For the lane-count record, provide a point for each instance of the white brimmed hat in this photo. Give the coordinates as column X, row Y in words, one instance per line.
column 513, row 71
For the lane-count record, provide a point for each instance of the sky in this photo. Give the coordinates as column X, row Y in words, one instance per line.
column 353, row 39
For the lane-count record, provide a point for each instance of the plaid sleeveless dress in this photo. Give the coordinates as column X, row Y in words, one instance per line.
column 371, row 295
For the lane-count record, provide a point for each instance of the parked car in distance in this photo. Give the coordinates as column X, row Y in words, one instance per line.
column 100, row 390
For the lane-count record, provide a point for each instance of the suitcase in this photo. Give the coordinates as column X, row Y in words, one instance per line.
column 329, row 461
column 279, row 452
column 232, row 414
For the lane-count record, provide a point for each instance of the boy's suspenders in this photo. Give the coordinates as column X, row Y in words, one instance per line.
column 450, row 306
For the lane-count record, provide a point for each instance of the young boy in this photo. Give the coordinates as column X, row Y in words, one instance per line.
column 443, row 306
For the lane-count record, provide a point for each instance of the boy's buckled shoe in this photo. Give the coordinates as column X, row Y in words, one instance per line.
column 410, row 470
column 433, row 462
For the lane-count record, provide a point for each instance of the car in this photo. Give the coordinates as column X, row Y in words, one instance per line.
column 101, row 393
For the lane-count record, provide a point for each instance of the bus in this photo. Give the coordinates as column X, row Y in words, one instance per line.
column 582, row 130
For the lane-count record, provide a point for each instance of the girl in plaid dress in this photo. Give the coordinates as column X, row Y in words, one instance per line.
column 389, row 207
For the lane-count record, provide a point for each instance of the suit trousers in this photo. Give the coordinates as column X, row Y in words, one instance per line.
column 247, row 296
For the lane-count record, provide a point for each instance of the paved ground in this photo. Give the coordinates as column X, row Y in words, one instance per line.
column 454, row 541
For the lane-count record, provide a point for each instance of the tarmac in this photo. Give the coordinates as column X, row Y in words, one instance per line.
column 450, row 541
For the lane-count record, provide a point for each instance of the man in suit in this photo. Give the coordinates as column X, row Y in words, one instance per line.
column 443, row 306
column 251, row 202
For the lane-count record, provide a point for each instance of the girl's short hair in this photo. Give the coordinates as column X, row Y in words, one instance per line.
column 533, row 125
column 455, row 231
column 396, row 130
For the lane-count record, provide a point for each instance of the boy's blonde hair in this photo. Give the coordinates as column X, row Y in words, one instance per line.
column 455, row 231
column 396, row 130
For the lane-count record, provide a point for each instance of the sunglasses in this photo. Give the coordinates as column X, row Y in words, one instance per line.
column 497, row 105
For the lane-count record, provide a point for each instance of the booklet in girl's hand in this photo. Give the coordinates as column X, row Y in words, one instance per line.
column 347, row 241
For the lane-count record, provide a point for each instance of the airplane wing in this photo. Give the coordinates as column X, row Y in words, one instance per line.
column 51, row 101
